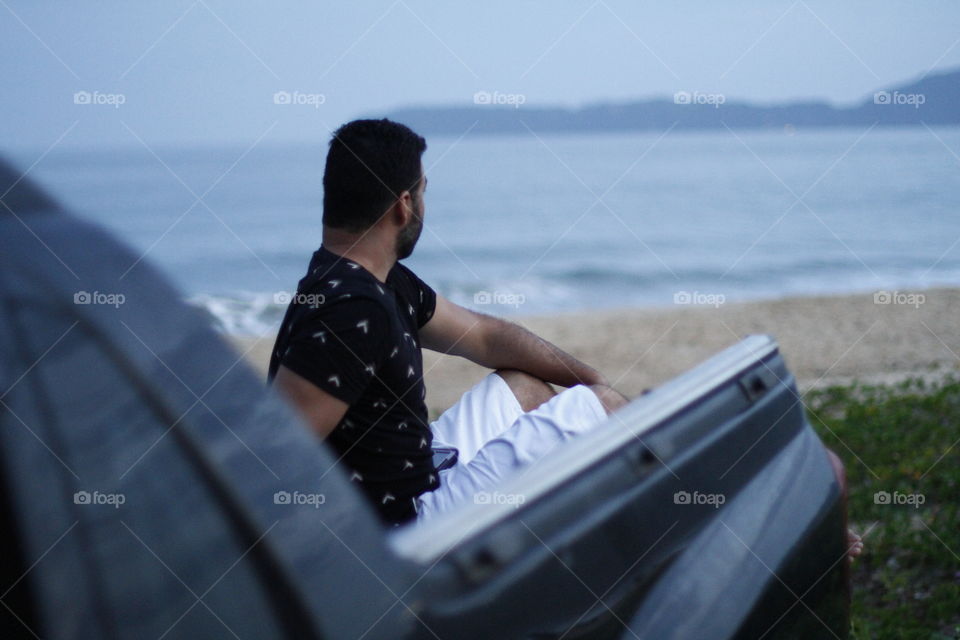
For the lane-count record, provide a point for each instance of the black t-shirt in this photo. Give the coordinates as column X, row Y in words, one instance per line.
column 357, row 339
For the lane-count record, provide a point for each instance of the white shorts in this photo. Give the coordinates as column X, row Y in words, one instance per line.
column 495, row 438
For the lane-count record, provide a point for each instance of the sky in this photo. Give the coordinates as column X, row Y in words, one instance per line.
column 200, row 72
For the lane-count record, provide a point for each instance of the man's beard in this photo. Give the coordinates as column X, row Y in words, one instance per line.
column 407, row 238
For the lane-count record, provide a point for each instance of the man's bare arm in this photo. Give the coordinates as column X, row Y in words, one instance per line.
column 321, row 410
column 498, row 344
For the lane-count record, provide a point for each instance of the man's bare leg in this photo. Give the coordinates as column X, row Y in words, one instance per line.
column 531, row 391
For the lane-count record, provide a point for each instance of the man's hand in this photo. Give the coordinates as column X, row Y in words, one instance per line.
column 497, row 344
column 610, row 398
column 854, row 545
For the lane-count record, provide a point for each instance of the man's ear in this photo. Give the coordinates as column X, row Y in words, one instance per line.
column 403, row 208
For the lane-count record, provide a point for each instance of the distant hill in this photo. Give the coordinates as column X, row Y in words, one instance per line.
column 934, row 100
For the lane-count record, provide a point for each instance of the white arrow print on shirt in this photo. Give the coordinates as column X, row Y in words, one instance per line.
column 334, row 283
column 410, row 371
column 334, row 379
column 353, row 265
column 364, row 324
column 423, row 442
column 402, row 425
column 356, row 476
column 410, row 308
column 380, row 289
column 387, row 497
column 394, row 352
column 322, row 335
column 407, row 465
column 369, row 369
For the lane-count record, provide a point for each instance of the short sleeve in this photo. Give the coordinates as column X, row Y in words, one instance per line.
column 340, row 348
column 423, row 297
column 428, row 302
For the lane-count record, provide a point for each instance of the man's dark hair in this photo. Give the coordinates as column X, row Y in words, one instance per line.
column 369, row 164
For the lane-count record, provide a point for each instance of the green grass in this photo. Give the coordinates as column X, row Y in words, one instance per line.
column 900, row 439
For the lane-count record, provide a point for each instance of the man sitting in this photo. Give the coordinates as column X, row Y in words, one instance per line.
column 348, row 351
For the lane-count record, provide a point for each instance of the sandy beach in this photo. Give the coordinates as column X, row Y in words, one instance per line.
column 825, row 340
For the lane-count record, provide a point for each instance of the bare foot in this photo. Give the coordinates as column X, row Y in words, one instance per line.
column 854, row 545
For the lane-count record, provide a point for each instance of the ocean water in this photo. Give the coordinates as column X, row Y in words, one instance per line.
column 539, row 224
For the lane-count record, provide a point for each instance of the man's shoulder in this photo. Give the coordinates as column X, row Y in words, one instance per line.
column 345, row 307
column 335, row 279
column 416, row 297
column 331, row 301
column 402, row 279
column 402, row 272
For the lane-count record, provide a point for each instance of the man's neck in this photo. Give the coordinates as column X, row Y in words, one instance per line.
column 364, row 250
